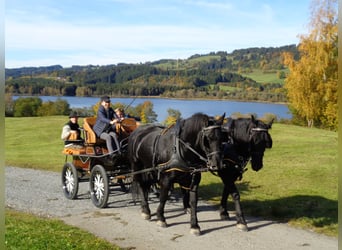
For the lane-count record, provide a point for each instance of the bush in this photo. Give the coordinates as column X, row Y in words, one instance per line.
column 33, row 106
column 25, row 107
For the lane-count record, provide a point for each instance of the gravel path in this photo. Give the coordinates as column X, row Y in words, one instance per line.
column 40, row 192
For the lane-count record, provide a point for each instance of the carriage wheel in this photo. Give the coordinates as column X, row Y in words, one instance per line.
column 99, row 187
column 70, row 181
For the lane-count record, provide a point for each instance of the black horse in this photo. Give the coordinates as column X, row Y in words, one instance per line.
column 174, row 155
column 246, row 140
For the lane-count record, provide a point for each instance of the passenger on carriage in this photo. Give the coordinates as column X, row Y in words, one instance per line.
column 120, row 113
column 105, row 125
column 71, row 132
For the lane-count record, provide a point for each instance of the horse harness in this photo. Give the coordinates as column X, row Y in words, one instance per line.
column 240, row 164
column 176, row 161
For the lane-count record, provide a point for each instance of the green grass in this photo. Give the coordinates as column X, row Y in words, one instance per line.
column 25, row 231
column 261, row 77
column 34, row 142
column 298, row 183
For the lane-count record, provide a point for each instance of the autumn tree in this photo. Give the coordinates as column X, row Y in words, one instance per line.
column 173, row 115
column 312, row 82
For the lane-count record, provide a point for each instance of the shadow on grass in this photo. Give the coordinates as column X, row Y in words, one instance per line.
column 317, row 210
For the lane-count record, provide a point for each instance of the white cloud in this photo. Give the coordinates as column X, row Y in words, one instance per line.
column 43, row 41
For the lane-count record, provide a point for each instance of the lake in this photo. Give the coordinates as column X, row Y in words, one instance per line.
column 186, row 107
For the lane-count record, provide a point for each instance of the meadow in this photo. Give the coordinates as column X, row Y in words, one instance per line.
column 297, row 185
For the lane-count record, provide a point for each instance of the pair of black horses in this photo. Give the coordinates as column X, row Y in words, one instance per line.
column 179, row 154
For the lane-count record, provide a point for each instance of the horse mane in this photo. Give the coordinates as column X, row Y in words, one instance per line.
column 240, row 128
column 195, row 123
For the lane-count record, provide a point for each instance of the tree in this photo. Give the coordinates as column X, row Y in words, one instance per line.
column 312, row 82
column 173, row 115
column 9, row 105
column 146, row 113
column 26, row 107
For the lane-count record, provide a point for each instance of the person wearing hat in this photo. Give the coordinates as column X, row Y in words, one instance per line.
column 71, row 130
column 105, row 124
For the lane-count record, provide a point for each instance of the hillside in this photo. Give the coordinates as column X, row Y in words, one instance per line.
column 245, row 74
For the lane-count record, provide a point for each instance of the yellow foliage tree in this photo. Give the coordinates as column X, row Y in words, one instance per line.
column 312, row 82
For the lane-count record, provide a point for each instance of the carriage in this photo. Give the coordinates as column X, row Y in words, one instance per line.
column 88, row 160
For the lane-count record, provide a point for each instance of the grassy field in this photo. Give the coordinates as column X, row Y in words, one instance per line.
column 298, row 183
column 261, row 77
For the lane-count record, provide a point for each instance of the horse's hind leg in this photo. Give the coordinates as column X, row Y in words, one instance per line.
column 145, row 209
column 195, row 228
column 165, row 187
column 186, row 203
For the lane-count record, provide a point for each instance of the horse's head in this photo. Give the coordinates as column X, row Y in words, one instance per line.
column 207, row 136
column 250, row 137
column 260, row 139
column 212, row 142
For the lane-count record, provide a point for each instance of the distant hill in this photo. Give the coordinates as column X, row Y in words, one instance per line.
column 28, row 71
column 253, row 73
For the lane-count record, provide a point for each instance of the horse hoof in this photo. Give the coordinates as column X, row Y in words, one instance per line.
column 195, row 231
column 242, row 227
column 146, row 216
column 161, row 223
column 224, row 217
column 187, row 211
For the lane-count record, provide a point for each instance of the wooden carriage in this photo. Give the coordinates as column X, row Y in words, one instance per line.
column 91, row 162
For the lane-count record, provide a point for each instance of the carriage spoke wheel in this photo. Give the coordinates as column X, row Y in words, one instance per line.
column 70, row 181
column 99, row 187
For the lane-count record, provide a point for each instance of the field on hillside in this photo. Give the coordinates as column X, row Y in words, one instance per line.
column 261, row 77
column 298, row 183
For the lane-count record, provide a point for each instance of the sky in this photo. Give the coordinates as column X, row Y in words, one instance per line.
column 104, row 32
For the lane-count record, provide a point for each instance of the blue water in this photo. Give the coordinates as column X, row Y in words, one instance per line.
column 186, row 107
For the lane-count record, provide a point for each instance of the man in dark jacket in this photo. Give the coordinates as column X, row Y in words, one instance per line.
column 105, row 125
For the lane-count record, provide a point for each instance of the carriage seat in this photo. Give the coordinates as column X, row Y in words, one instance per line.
column 89, row 134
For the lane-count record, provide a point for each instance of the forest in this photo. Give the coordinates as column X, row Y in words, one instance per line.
column 247, row 74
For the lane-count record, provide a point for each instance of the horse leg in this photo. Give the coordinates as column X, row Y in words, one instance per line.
column 164, row 195
column 186, row 204
column 240, row 218
column 224, row 215
column 145, row 209
column 193, row 196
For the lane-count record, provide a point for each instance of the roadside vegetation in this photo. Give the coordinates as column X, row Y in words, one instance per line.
column 26, row 231
column 297, row 185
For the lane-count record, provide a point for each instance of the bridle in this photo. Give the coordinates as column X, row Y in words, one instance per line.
column 206, row 150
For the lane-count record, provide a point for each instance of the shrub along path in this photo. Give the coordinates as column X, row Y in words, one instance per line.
column 40, row 192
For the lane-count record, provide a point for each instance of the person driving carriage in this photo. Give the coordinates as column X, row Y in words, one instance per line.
column 71, row 130
column 105, row 124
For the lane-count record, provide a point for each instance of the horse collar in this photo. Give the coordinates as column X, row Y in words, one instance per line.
column 176, row 160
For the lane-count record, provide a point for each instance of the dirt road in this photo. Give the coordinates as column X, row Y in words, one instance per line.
column 40, row 192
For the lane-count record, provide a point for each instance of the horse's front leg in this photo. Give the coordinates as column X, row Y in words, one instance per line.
column 193, row 196
column 165, row 187
column 224, row 215
column 240, row 218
